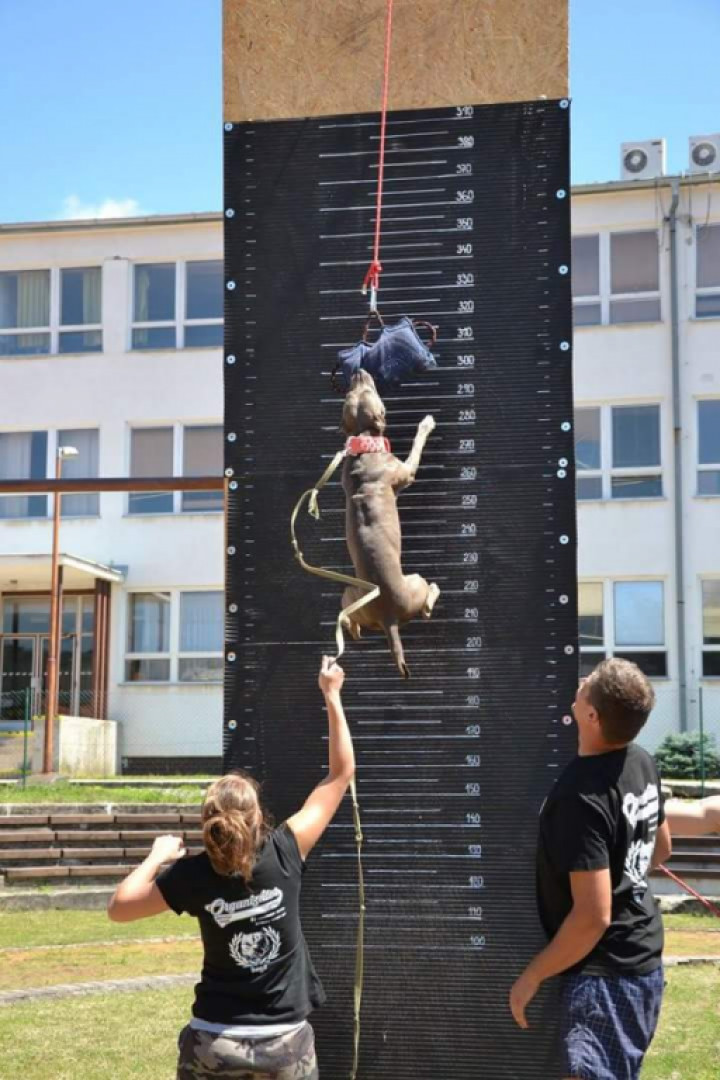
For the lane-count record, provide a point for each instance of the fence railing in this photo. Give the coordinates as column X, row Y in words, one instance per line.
column 16, row 727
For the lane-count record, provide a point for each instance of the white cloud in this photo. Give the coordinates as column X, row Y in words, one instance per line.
column 74, row 207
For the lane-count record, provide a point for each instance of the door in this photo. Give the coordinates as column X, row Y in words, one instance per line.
column 18, row 663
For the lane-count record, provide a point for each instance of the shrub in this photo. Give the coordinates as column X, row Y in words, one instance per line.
column 678, row 757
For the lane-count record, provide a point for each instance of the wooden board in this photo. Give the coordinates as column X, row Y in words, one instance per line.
column 296, row 58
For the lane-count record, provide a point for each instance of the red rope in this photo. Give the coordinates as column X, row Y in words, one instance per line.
column 372, row 277
column 688, row 888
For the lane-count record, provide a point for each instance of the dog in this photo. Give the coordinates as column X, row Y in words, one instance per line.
column 372, row 476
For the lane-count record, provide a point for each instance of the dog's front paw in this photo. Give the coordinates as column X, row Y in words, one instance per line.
column 427, row 424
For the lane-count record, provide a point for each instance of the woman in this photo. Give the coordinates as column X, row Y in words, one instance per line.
column 258, row 985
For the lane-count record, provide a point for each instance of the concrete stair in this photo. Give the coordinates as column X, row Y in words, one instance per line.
column 38, row 847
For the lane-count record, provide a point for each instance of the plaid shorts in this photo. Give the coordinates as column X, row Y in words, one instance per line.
column 607, row 1023
column 222, row 1057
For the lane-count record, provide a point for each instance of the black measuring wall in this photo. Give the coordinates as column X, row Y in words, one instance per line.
column 454, row 764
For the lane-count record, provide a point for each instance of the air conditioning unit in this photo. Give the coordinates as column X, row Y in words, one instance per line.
column 642, row 160
column 704, row 153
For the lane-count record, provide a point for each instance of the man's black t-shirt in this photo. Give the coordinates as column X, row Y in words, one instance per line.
column 604, row 812
column 257, row 968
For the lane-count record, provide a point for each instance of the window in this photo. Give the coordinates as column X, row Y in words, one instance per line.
column 148, row 641
column 617, row 450
column 616, row 278
column 707, row 275
column 622, row 618
column 711, row 628
column 201, row 637
column 195, row 450
column 25, row 312
column 84, row 466
column 161, row 290
column 80, row 310
column 23, row 456
column 204, row 303
column 51, row 311
column 708, row 481
column 586, row 280
column 151, row 454
column 175, row 637
column 202, row 456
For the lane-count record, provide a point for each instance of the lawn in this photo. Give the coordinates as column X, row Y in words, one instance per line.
column 687, row 1045
column 63, row 792
column 25, row 928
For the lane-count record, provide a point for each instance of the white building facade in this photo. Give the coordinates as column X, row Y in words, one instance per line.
column 110, row 343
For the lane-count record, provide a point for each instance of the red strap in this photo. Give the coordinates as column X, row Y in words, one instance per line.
column 372, row 277
column 367, row 444
column 688, row 889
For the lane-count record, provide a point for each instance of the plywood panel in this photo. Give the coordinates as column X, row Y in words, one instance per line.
column 295, row 58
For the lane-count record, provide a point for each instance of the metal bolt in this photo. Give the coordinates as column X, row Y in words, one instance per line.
column 563, row 462
column 563, row 269
column 233, row 485
column 561, row 473
column 230, row 212
column 231, row 657
column 564, row 103
column 231, row 436
column 230, row 286
column 564, row 598
column 231, row 359
column 569, row 650
column 567, row 721
column 564, row 346
column 229, row 472
column 233, row 609
column 564, row 539
column 228, row 127
column 566, row 425
column 231, row 550
column 232, row 724
column 561, row 193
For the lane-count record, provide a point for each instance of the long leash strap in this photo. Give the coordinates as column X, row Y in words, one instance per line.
column 689, row 889
column 372, row 591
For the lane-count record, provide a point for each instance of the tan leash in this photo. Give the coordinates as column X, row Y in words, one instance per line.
column 372, row 591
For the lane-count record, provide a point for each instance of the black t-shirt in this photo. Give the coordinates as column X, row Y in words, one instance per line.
column 256, row 968
column 604, row 812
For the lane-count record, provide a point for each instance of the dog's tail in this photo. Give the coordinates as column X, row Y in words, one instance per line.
column 393, row 635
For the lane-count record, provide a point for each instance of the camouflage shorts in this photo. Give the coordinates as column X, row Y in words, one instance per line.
column 220, row 1057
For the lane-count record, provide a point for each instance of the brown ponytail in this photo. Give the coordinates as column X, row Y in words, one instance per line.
column 233, row 825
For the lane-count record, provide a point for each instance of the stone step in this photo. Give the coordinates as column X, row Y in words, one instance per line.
column 73, row 855
column 38, row 874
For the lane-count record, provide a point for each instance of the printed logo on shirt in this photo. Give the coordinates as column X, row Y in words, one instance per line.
column 255, row 952
column 641, row 811
column 225, row 912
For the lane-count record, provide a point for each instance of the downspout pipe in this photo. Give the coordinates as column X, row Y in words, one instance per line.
column 679, row 501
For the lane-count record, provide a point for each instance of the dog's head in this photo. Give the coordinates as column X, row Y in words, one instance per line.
column 363, row 410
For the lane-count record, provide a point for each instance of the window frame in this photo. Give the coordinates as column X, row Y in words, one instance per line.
column 606, row 297
column 178, row 447
column 703, row 290
column 55, row 328
column 52, row 441
column 609, row 472
column 609, row 646
column 180, row 322
column 174, row 654
column 703, row 467
column 707, row 648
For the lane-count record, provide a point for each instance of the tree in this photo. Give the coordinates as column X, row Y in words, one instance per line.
column 679, row 757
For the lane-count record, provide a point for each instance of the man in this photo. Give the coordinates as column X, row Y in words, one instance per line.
column 602, row 829
column 693, row 818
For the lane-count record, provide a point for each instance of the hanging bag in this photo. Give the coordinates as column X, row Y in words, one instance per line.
column 396, row 354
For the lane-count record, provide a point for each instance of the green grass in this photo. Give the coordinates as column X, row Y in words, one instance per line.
column 687, row 1045
column 62, row 792
column 27, row 928
column 128, row 1036
column 692, row 922
column 28, row 968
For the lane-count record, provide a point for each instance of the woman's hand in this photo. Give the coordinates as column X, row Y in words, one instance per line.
column 167, row 849
column 331, row 677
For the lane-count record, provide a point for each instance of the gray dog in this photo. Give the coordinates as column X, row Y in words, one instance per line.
column 371, row 478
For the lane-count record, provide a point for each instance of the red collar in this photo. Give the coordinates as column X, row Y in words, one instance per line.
column 367, row 444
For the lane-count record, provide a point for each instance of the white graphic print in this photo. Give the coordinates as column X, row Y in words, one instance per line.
column 257, row 950
column 641, row 810
column 225, row 912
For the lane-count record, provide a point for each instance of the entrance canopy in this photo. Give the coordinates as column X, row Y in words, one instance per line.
column 33, row 572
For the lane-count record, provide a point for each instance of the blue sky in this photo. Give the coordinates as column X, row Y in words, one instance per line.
column 116, row 108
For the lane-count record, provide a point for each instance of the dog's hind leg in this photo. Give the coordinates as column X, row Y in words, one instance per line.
column 393, row 635
column 430, row 600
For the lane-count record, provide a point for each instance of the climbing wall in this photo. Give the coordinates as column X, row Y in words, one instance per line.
column 454, row 764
